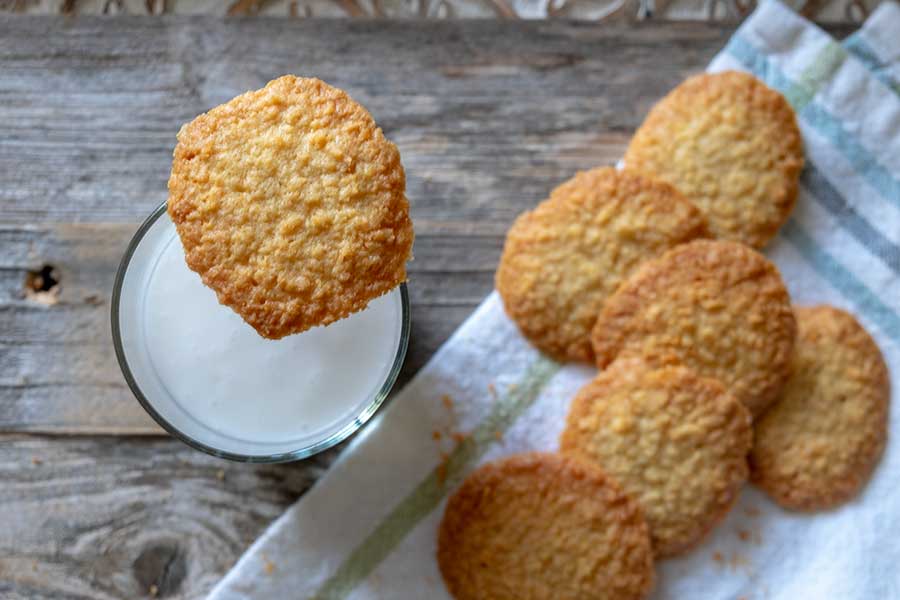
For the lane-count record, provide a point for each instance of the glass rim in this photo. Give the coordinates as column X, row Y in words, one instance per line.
column 301, row 453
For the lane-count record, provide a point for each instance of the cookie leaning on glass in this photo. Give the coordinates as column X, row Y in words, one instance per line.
column 291, row 205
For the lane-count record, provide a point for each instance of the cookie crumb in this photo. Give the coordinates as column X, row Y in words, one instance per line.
column 717, row 556
column 436, row 435
column 751, row 511
column 441, row 470
column 153, row 591
column 37, row 461
column 499, row 435
column 458, row 437
column 448, row 402
column 268, row 565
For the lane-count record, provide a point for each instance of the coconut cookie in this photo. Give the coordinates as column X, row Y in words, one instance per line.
column 543, row 526
column 716, row 307
column 818, row 445
column 675, row 442
column 291, row 205
column 562, row 259
column 732, row 146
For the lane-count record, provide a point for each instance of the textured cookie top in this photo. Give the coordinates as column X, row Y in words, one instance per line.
column 818, row 445
column 290, row 204
column 719, row 308
column 677, row 443
column 563, row 259
column 543, row 526
column 731, row 145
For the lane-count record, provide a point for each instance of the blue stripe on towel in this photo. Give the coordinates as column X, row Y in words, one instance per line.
column 843, row 280
column 857, row 46
column 832, row 200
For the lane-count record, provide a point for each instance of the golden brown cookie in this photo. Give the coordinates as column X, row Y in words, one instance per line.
column 290, row 204
column 541, row 527
column 818, row 445
column 731, row 145
column 719, row 308
column 562, row 259
column 675, row 442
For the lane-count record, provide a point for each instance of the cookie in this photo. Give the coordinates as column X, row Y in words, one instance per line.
column 291, row 205
column 543, row 526
column 818, row 445
column 716, row 307
column 675, row 442
column 562, row 259
column 731, row 145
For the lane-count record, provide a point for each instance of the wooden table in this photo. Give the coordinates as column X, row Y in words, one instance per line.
column 488, row 115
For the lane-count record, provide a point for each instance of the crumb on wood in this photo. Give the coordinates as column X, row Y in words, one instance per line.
column 436, row 435
column 154, row 591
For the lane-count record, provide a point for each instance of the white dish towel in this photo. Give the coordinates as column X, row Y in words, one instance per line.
column 367, row 529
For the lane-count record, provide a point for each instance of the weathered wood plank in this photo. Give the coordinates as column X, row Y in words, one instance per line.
column 486, row 123
column 105, row 518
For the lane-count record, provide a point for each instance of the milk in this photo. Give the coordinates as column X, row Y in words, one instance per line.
column 207, row 373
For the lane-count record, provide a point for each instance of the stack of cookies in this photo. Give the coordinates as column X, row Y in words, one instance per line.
column 708, row 375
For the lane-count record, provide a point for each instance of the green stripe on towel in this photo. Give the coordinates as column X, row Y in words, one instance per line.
column 426, row 496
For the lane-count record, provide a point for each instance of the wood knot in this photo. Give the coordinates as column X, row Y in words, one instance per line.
column 42, row 285
column 160, row 569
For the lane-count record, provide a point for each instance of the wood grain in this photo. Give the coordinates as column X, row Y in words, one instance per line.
column 102, row 518
column 489, row 116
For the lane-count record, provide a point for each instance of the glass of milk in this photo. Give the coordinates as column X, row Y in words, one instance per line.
column 210, row 380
